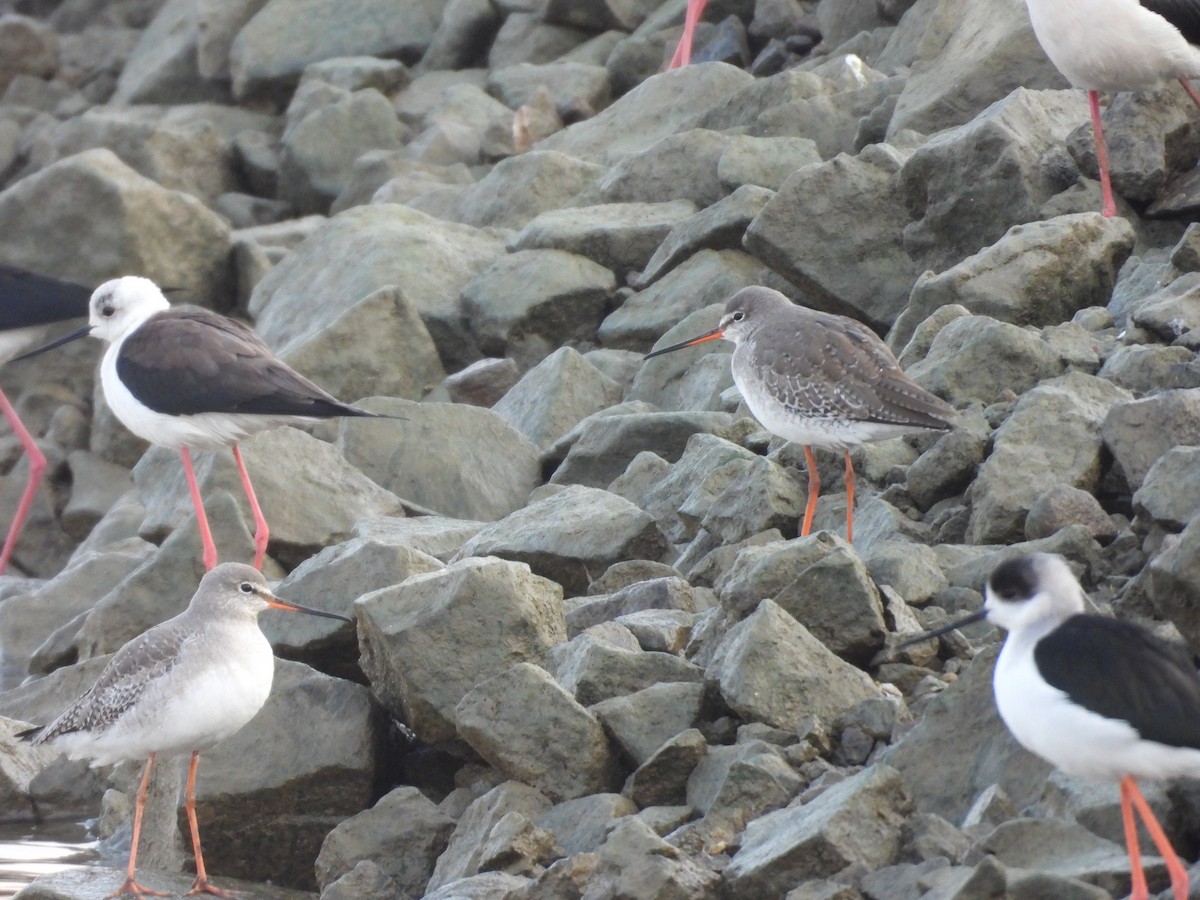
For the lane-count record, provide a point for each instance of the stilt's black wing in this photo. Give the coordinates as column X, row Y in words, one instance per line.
column 28, row 299
column 1183, row 14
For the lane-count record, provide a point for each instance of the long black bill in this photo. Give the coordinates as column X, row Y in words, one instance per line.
column 279, row 603
column 713, row 335
column 65, row 339
column 945, row 629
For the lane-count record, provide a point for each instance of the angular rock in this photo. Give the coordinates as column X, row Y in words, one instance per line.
column 594, row 670
column 555, row 396
column 635, row 862
column 27, row 47
column 643, row 721
column 663, row 778
column 658, row 593
column 462, row 461
column 163, row 66
column 1170, row 494
column 522, row 187
column 567, row 82
column 531, row 730
column 764, row 161
column 769, row 668
column 741, row 782
column 580, row 825
column 677, row 167
column 1052, row 437
column 429, row 640
column 1138, row 432
column 821, row 837
column 1064, row 505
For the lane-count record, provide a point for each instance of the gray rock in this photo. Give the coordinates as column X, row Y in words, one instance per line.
column 357, row 73
column 641, row 722
column 595, row 670
column 354, row 255
column 1064, row 505
column 764, row 161
column 88, row 882
column 661, row 630
column 858, row 268
column 820, row 837
column 580, row 825
column 662, row 105
column 679, row 166
column 964, row 63
column 1138, row 432
column 465, row 125
column 438, row 536
column 1173, row 577
column 524, row 38
column 95, row 486
column 531, row 730
column 739, row 783
column 842, row 122
column 318, row 152
column 658, row 592
column 462, row 37
column 163, row 66
column 462, row 461
column 700, row 280
column 428, row 641
column 619, row 236
column 1172, row 313
column 388, row 176
column 482, row 383
column 979, row 358
column 912, row 570
column 607, row 444
column 1073, row 408
column 555, row 396
column 1040, row 273
column 817, row 580
column 528, row 303
column 132, row 225
column 463, row 855
column 567, row 82
column 663, row 777
column 522, row 187
column 265, row 776
column 271, row 52
column 366, row 879
column 27, row 47
column 769, row 668
column 1169, row 494
column 635, row 862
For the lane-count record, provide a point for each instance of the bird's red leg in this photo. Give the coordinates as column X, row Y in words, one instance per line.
column 1138, row 889
column 849, row 498
column 1179, row 876
column 206, row 538
column 814, row 488
column 683, row 53
column 129, row 886
column 201, row 885
column 261, row 532
column 37, row 466
column 1109, row 207
column 1192, row 92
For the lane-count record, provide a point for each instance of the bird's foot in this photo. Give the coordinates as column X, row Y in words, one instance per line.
column 133, row 889
column 204, row 886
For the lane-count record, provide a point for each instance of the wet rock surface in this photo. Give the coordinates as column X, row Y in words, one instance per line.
column 592, row 657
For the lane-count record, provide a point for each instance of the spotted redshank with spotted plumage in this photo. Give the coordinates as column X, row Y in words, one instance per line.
column 180, row 687
column 819, row 380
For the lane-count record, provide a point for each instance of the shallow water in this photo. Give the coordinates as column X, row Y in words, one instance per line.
column 27, row 851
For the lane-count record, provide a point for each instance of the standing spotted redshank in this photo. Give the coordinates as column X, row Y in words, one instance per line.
column 182, row 686
column 28, row 303
column 819, row 380
column 190, row 379
column 1097, row 697
column 1119, row 45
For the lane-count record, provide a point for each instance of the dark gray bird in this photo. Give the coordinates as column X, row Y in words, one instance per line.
column 819, row 380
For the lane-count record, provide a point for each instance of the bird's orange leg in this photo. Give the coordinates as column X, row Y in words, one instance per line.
column 261, row 532
column 814, row 488
column 201, row 885
column 849, row 499
column 1179, row 876
column 37, row 467
column 206, row 538
column 1138, row 889
column 129, row 886
column 1109, row 207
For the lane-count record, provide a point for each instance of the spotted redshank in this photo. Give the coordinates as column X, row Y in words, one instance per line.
column 180, row 687
column 28, row 303
column 1119, row 45
column 819, row 380
column 1098, row 697
column 190, row 379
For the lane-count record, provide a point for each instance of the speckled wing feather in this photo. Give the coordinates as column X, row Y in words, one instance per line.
column 28, row 299
column 849, row 374
column 188, row 360
column 1183, row 14
column 136, row 665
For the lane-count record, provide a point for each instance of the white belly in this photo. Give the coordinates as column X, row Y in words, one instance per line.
column 1111, row 45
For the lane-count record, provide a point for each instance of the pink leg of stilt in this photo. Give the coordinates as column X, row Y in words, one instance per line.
column 1109, row 208
column 1179, row 876
column 1192, row 92
column 683, row 53
column 37, row 467
column 1138, row 889
column 814, row 488
column 261, row 532
column 849, row 499
column 206, row 538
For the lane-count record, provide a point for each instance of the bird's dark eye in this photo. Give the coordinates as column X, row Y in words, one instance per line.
column 738, row 316
column 107, row 311
column 246, row 587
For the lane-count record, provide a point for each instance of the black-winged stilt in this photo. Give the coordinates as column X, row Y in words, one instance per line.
column 187, row 378
column 180, row 687
column 1119, row 45
column 28, row 303
column 1097, row 697
column 819, row 380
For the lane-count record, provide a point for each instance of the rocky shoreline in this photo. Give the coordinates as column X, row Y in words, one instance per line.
column 591, row 657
